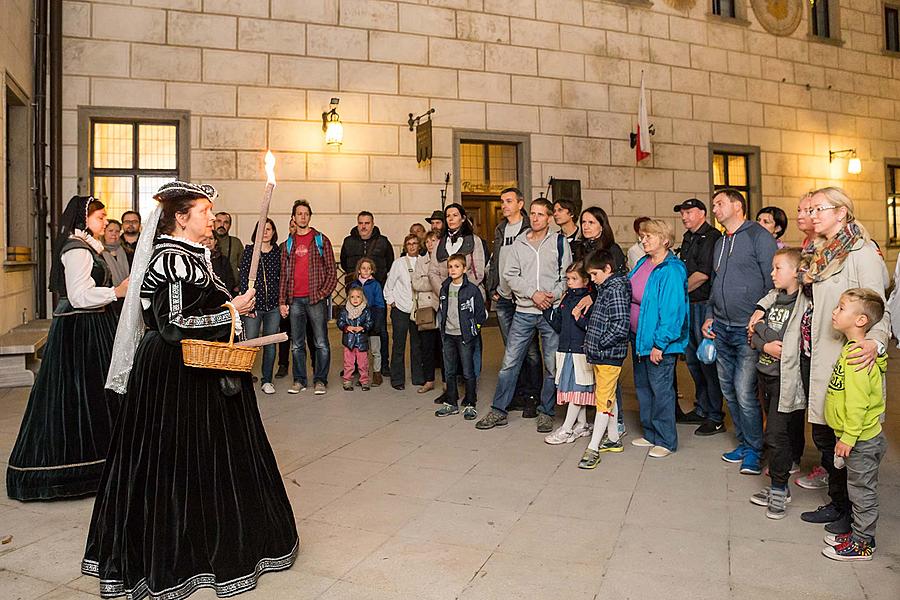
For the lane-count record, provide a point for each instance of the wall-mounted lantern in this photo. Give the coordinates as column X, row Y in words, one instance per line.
column 854, row 166
column 331, row 125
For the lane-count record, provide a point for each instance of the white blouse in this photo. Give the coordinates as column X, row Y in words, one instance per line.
column 81, row 290
column 398, row 287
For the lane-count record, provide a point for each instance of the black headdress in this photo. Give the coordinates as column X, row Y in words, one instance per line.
column 74, row 217
column 179, row 189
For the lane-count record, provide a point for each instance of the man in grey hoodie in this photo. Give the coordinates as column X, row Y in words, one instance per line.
column 742, row 263
column 536, row 272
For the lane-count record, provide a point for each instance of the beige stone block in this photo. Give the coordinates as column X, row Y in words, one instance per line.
column 811, row 75
column 711, row 108
column 609, row 125
column 189, row 5
column 613, row 178
column 794, row 95
column 336, row 42
column 691, row 132
column 824, row 55
column 657, row 180
column 536, row 91
column 693, row 182
column 70, row 127
column 368, row 77
column 648, row 22
column 398, row 169
column 456, row 113
column 760, row 43
column 478, row 27
column 797, row 142
column 855, row 104
column 882, row 107
column 768, row 140
column 592, row 96
column 233, row 195
column 814, row 121
column 656, row 77
column 780, row 164
column 456, row 54
column 709, row 59
column 512, row 8
column 839, row 81
column 796, row 187
column 429, row 20
column 420, row 199
column 875, row 65
column 379, row 198
column 237, row 134
column 76, row 19
column 777, row 70
column 458, row 4
column 223, row 66
column 241, row 8
column 511, row 117
column 690, row 81
column 308, row 137
column 352, row 107
column 562, row 11
column 534, row 34
column 395, row 109
column 75, row 91
column 563, row 121
column 264, row 35
column 289, row 166
column 607, row 70
column 747, row 113
column 729, row 38
column 725, row 133
column 206, row 31
column 584, row 40
column 269, row 102
column 850, row 60
column 588, row 151
column 668, row 52
column 312, row 11
column 92, row 57
column 742, row 63
column 337, row 167
column 128, row 92
column 475, row 85
column 728, row 86
column 197, row 124
column 792, row 49
column 170, row 63
column 625, row 99
column 565, row 171
column 603, row 15
column 670, row 104
column 626, row 45
column 547, row 148
column 781, row 117
column 509, row 59
column 213, row 164
column 773, row 185
column 688, row 30
column 563, row 65
column 304, row 73
column 398, row 48
column 425, row 81
column 760, row 90
column 369, row 14
column 128, row 23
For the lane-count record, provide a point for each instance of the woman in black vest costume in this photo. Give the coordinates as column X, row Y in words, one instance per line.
column 191, row 495
column 65, row 432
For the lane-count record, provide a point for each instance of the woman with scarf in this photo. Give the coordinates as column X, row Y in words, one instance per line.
column 115, row 256
column 842, row 256
column 266, row 319
column 191, row 495
column 61, row 446
column 597, row 234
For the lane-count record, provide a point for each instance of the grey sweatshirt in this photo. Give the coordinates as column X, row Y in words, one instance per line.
column 531, row 268
column 771, row 329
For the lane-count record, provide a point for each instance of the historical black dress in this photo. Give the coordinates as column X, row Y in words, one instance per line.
column 61, row 446
column 191, row 495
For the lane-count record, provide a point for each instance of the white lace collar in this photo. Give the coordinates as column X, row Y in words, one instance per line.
column 90, row 240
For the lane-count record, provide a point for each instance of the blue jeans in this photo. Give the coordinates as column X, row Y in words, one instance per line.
column 317, row 315
column 520, row 336
column 653, row 385
column 708, row 403
column 458, row 352
column 270, row 322
column 736, row 364
column 529, row 382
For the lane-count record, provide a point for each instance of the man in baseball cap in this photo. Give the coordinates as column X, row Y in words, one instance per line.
column 689, row 204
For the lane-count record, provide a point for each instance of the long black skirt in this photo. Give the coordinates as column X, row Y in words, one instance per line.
column 191, row 495
column 65, row 432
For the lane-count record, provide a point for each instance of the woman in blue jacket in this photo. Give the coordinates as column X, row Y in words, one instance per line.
column 659, row 333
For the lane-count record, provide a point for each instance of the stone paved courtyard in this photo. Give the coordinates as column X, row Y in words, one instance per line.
column 393, row 503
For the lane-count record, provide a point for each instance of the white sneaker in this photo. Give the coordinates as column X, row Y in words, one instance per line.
column 268, row 388
column 641, row 443
column 583, row 430
column 659, row 452
column 561, row 436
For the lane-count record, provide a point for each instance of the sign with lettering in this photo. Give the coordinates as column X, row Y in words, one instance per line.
column 423, row 141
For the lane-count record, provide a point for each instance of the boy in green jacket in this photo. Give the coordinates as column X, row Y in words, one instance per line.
column 854, row 407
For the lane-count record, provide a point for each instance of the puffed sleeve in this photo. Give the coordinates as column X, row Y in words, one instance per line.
column 81, row 290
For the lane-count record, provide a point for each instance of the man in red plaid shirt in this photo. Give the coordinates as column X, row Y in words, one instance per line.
column 308, row 277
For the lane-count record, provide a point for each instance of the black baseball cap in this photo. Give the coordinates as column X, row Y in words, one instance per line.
column 690, row 203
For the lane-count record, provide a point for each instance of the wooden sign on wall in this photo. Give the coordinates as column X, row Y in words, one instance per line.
column 423, row 141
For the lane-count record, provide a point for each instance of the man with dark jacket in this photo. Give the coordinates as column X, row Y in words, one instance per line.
column 365, row 240
column 697, row 253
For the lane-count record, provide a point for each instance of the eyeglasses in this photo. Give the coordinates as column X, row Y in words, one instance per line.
column 817, row 209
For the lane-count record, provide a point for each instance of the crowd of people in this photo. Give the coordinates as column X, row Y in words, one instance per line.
column 781, row 335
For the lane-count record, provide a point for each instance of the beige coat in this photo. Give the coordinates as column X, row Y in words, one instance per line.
column 862, row 268
column 437, row 271
column 424, row 295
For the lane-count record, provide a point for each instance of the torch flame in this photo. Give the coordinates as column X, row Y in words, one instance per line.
column 270, row 167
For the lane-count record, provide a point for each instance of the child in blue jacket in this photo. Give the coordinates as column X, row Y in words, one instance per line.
column 355, row 321
column 365, row 278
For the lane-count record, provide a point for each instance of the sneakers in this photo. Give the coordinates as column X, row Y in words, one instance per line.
column 583, row 430
column 622, row 431
column 839, row 526
column 545, row 423
column 610, row 446
column 377, row 379
column 710, row 428
column 297, row 388
column 817, row 479
column 827, row 513
column 282, row 372
column 659, row 452
column 469, row 413
column 319, row 388
column 446, row 410
column 348, row 386
column 561, row 436
column 364, row 387
column 761, row 498
column 851, row 550
column 691, row 418
column 838, row 539
column 589, row 460
column 778, row 499
column 641, row 443
column 530, row 410
column 750, row 465
column 268, row 388
column 795, row 467
column 491, row 420
column 737, row 455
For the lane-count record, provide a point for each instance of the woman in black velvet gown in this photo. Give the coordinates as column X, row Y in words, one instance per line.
column 65, row 432
column 191, row 495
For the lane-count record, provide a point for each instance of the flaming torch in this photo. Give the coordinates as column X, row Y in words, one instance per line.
column 263, row 215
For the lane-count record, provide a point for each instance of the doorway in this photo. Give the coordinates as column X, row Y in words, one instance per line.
column 486, row 168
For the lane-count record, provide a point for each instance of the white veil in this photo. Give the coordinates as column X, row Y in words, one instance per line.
column 131, row 321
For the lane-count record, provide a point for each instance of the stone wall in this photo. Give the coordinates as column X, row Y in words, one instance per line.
column 258, row 74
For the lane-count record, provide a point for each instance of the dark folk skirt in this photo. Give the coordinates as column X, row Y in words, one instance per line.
column 65, row 432
column 191, row 495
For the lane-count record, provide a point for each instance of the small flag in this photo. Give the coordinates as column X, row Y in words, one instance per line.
column 642, row 147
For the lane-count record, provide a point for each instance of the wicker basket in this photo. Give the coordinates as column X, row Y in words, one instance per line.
column 219, row 355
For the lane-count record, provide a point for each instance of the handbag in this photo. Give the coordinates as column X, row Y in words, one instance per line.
column 425, row 318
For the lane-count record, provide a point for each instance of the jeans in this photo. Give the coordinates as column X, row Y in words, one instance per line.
column 736, row 364
column 708, row 403
column 284, row 348
column 529, row 381
column 379, row 325
column 456, row 351
column 302, row 312
column 653, row 385
column 521, row 335
column 778, row 440
column 385, row 349
column 824, row 439
column 403, row 326
column 269, row 321
column 862, row 485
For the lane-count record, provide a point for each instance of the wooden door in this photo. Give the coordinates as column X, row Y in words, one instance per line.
column 484, row 212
